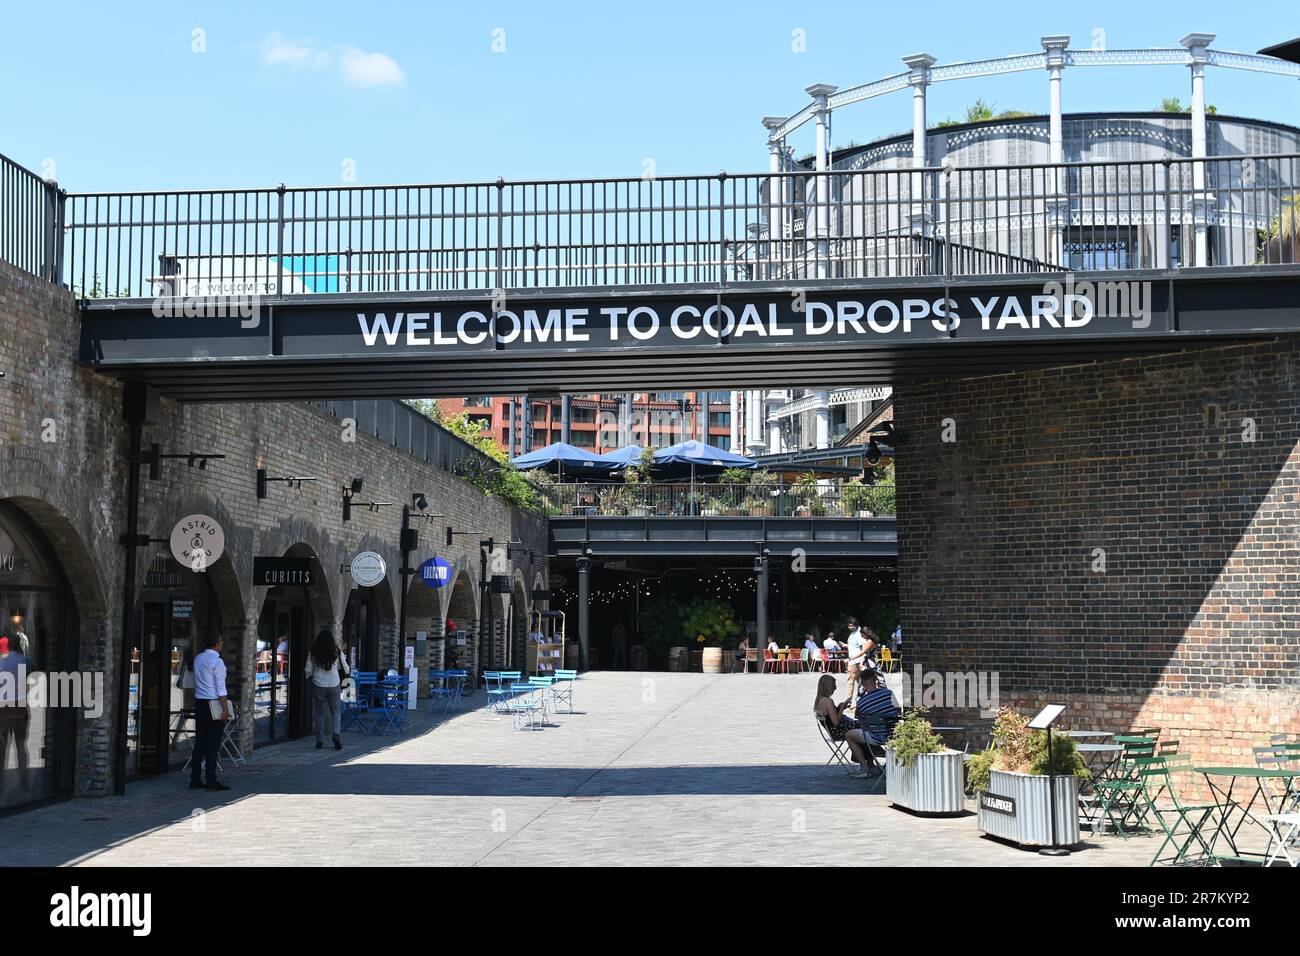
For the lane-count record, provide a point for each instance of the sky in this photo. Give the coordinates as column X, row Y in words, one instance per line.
column 120, row 96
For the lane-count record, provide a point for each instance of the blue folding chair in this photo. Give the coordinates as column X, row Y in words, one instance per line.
column 526, row 707
column 388, row 707
column 456, row 680
column 440, row 690
column 544, row 685
column 562, row 688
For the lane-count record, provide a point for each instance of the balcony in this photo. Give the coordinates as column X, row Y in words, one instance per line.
column 683, row 500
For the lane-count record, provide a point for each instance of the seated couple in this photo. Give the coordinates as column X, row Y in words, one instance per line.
column 874, row 701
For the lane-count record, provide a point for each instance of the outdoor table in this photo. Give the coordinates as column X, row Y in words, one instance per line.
column 1225, row 805
column 952, row 730
column 1100, row 760
column 1088, row 734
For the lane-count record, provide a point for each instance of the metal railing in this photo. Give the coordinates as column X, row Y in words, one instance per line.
column 681, row 499
column 406, row 428
column 31, row 222
column 719, row 230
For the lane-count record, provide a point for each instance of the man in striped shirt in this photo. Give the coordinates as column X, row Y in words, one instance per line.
column 876, row 701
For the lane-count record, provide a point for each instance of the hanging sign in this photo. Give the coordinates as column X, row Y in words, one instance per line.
column 435, row 572
column 368, row 569
column 197, row 541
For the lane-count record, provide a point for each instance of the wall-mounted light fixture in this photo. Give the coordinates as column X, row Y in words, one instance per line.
column 293, row 481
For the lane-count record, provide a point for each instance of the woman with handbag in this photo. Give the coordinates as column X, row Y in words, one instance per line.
column 326, row 668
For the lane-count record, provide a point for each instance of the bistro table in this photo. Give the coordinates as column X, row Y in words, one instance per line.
column 952, row 730
column 1224, row 805
column 1100, row 759
column 1089, row 734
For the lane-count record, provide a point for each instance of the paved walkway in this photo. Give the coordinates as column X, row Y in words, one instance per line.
column 654, row 768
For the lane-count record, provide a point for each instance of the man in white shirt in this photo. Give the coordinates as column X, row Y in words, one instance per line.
column 860, row 646
column 209, row 695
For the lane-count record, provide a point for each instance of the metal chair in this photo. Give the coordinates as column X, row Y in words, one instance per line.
column 839, row 749
column 562, row 688
column 525, row 706
column 442, row 690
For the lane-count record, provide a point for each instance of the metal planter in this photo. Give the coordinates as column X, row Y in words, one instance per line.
column 933, row 784
column 1027, row 798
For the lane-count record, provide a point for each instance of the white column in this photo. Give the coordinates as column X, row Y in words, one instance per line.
column 776, row 252
column 774, row 398
column 1054, row 48
column 820, row 92
column 734, row 446
column 755, row 431
column 919, row 64
column 1197, row 44
column 823, row 413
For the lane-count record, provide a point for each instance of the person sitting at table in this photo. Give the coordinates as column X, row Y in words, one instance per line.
column 742, row 653
column 830, row 644
column 810, row 645
column 773, row 648
column 875, row 700
column 841, row 727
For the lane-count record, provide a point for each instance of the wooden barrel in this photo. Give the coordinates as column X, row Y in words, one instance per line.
column 712, row 660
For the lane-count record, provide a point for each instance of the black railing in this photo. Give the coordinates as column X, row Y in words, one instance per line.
column 681, row 499
column 408, row 429
column 31, row 222
column 721, row 229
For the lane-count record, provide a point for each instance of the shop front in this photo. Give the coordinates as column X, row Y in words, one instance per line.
column 175, row 608
column 39, row 630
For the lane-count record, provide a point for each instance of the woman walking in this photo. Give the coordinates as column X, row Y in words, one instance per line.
column 326, row 668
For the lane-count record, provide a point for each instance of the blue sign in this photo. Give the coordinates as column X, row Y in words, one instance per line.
column 435, row 572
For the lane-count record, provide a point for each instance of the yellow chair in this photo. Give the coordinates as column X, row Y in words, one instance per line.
column 889, row 663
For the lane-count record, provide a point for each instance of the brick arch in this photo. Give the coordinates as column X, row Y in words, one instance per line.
column 518, row 636
column 318, row 595
column 67, row 542
column 462, row 598
column 296, row 537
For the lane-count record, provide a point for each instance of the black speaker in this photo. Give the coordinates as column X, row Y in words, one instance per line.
column 410, row 539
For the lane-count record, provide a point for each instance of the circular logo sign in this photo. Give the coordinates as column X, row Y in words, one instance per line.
column 368, row 569
column 435, row 572
column 197, row 541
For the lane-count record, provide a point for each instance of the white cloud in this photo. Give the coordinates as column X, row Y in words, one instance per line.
column 356, row 66
column 370, row 69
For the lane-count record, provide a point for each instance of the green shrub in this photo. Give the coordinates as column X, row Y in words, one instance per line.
column 912, row 737
column 1017, row 749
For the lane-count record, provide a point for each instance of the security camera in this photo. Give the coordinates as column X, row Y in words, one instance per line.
column 421, row 502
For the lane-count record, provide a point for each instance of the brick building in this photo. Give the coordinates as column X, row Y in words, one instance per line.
column 63, row 480
column 1120, row 537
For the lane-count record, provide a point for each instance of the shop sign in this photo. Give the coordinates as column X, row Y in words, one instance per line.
column 435, row 572
column 182, row 610
column 197, row 541
column 996, row 803
column 271, row 572
column 368, row 569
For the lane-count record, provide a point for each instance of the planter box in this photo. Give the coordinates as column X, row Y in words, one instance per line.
column 933, row 784
column 638, row 511
column 1028, row 796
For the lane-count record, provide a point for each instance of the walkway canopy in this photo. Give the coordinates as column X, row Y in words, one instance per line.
column 564, row 459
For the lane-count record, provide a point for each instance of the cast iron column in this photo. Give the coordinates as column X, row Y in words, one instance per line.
column 584, row 600
column 760, row 566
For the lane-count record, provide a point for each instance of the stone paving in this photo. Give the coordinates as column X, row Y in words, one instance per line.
column 653, row 768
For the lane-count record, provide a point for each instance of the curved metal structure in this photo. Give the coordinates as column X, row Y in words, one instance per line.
column 1189, row 55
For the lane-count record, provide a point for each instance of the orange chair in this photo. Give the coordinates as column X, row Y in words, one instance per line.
column 769, row 661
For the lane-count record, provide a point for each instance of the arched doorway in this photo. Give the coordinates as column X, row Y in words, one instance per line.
column 290, row 616
column 175, row 608
column 462, row 625
column 39, row 628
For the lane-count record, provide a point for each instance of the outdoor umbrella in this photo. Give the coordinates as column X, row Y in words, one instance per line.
column 697, row 456
column 622, row 458
column 561, row 456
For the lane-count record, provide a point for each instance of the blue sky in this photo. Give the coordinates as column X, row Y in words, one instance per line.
column 414, row 92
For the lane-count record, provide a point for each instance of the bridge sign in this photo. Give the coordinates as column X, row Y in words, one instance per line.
column 435, row 572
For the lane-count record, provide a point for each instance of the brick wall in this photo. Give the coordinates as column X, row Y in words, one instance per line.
column 1123, row 537
column 62, row 449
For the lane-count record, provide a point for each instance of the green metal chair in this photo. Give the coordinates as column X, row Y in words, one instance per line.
column 1182, row 822
column 1121, row 796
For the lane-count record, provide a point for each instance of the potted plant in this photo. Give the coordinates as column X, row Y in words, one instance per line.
column 758, row 493
column 1013, row 791
column 921, row 774
column 613, row 501
column 712, row 507
column 714, row 626
column 856, row 498
column 805, row 495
